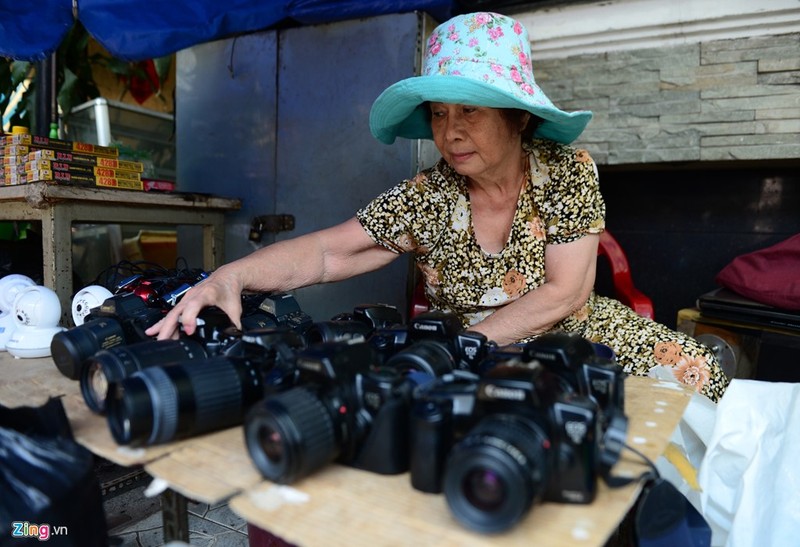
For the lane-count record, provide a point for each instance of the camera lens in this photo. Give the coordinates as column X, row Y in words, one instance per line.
column 114, row 364
column 495, row 473
column 428, row 356
column 71, row 348
column 161, row 404
column 290, row 435
column 335, row 331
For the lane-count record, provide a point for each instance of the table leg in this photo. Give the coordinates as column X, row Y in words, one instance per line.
column 57, row 258
column 175, row 516
column 213, row 243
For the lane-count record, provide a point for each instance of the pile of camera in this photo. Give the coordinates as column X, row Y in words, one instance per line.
column 496, row 429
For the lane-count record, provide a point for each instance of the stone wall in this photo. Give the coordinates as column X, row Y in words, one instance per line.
column 723, row 100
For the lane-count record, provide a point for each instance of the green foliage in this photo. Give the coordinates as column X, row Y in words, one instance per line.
column 12, row 77
column 75, row 83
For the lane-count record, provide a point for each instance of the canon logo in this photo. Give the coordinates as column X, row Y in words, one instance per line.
column 497, row 392
column 424, row 326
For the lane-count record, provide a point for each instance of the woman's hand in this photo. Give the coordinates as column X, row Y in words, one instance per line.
column 223, row 288
column 332, row 254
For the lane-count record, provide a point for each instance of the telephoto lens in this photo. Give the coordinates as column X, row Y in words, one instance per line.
column 113, row 364
column 161, row 404
column 495, row 474
column 336, row 331
column 121, row 319
column 70, row 349
column 358, row 325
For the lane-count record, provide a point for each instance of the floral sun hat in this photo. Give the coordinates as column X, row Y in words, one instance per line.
column 479, row 59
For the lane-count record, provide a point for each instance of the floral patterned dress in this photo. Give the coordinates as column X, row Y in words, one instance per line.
column 430, row 216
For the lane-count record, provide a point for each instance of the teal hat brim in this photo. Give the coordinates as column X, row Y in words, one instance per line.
column 400, row 112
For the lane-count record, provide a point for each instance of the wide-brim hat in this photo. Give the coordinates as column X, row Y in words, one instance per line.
column 477, row 59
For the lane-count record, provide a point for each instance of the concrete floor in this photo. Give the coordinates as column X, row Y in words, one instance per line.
column 135, row 520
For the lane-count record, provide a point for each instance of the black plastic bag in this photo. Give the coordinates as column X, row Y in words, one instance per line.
column 665, row 518
column 48, row 488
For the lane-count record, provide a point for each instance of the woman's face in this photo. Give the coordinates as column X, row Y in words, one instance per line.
column 477, row 141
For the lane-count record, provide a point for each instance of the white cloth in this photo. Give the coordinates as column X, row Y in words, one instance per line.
column 750, row 474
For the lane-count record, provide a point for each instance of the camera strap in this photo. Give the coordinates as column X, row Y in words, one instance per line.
column 647, row 476
column 612, row 445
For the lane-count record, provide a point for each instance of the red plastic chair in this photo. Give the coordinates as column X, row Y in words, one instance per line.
column 624, row 289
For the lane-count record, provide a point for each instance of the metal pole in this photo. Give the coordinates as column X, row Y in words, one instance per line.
column 45, row 93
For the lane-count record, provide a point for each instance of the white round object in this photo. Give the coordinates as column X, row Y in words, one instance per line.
column 32, row 342
column 36, row 312
column 7, row 326
column 37, row 306
column 86, row 299
column 10, row 286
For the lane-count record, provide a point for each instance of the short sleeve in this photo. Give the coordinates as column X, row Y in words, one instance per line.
column 573, row 205
column 410, row 216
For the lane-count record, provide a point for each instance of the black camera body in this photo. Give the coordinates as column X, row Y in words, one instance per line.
column 343, row 408
column 161, row 291
column 358, row 325
column 575, row 361
column 433, row 341
column 259, row 311
column 138, row 302
column 281, row 310
column 121, row 319
column 526, row 430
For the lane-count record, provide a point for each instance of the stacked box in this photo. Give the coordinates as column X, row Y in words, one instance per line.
column 13, row 172
column 85, row 159
column 79, row 179
column 30, row 158
column 32, row 166
column 13, row 155
column 35, row 141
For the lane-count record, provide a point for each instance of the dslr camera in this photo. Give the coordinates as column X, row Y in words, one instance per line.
column 215, row 336
column 148, row 401
column 433, row 341
column 121, row 319
column 521, row 433
column 573, row 359
column 358, row 325
column 343, row 408
column 138, row 302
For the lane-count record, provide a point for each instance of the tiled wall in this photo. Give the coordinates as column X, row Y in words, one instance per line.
column 723, row 100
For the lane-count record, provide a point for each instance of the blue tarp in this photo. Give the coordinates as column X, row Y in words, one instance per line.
column 144, row 29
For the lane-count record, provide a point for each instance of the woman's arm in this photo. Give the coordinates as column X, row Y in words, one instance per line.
column 569, row 279
column 332, row 254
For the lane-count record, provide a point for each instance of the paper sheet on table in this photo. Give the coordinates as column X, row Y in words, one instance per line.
column 750, row 474
column 687, row 446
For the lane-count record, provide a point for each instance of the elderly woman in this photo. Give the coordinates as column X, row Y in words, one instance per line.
column 504, row 228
